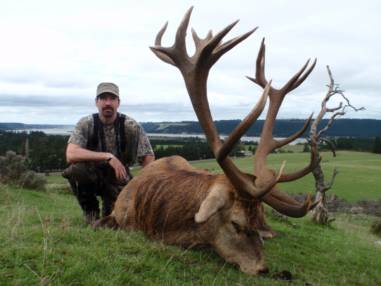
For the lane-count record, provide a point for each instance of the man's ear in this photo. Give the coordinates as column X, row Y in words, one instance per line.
column 217, row 198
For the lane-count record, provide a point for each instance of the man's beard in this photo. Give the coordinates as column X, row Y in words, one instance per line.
column 108, row 112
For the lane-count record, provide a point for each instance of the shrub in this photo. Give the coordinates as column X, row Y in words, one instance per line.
column 32, row 180
column 11, row 167
column 14, row 171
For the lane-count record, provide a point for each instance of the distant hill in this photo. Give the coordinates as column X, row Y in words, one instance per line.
column 341, row 128
column 21, row 126
column 283, row 127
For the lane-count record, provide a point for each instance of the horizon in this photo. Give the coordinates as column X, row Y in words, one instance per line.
column 73, row 124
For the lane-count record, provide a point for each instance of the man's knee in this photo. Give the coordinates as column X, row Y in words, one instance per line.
column 82, row 173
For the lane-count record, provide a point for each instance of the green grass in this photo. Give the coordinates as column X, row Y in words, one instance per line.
column 166, row 146
column 45, row 242
column 358, row 179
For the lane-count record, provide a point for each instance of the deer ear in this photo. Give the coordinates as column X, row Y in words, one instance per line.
column 217, row 198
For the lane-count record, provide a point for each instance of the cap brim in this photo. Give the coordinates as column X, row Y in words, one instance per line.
column 107, row 93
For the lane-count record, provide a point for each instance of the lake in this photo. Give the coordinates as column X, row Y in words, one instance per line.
column 67, row 130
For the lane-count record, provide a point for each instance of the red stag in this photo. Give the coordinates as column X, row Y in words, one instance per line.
column 174, row 202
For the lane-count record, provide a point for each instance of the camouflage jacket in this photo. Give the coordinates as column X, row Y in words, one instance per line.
column 138, row 147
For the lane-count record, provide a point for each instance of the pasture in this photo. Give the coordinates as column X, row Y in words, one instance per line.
column 45, row 242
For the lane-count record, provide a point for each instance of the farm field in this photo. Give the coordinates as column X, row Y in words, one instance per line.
column 358, row 178
column 45, row 242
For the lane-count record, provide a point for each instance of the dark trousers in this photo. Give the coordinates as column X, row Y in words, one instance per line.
column 89, row 180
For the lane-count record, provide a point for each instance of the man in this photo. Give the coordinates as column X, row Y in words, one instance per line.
column 100, row 151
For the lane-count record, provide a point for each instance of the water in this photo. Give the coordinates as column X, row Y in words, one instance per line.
column 50, row 131
column 67, row 130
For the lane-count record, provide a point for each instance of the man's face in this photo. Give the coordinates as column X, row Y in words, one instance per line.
column 107, row 105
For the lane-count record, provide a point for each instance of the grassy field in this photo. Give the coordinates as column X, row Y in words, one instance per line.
column 45, row 242
column 358, row 178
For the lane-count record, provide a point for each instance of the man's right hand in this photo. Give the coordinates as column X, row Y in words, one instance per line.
column 120, row 170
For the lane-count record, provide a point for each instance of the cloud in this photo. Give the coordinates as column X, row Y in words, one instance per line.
column 55, row 54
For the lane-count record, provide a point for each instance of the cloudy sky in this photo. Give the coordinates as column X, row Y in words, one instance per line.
column 54, row 53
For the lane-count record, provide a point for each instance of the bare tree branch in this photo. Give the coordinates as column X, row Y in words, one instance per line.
column 330, row 183
column 334, row 89
column 320, row 213
column 330, row 144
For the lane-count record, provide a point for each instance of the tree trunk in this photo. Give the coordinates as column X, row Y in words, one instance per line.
column 320, row 213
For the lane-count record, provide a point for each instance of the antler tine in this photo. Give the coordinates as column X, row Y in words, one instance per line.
column 260, row 77
column 269, row 186
column 259, row 191
column 159, row 51
column 177, row 54
column 290, row 209
column 299, row 77
column 283, row 142
column 244, row 125
column 218, row 37
column 314, row 160
column 200, row 43
column 160, row 34
column 219, row 51
column 305, row 75
column 288, row 86
column 181, row 33
column 196, row 38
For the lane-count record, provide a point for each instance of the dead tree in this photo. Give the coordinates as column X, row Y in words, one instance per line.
column 320, row 213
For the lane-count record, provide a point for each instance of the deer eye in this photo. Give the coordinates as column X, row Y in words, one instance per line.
column 237, row 227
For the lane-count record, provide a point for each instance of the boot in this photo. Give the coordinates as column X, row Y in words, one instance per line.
column 67, row 172
column 91, row 217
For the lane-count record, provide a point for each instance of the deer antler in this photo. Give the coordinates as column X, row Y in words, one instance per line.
column 268, row 144
column 195, row 72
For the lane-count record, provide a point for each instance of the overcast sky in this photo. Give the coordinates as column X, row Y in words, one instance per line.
column 54, row 53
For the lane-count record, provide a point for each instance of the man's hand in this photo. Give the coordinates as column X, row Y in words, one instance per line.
column 120, row 170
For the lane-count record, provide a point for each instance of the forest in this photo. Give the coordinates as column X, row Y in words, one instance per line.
column 47, row 152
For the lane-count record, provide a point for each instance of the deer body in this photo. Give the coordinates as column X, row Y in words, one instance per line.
column 172, row 201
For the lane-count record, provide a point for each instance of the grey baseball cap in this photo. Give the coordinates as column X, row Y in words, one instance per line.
column 107, row 87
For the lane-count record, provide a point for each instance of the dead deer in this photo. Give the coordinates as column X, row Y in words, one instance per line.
column 172, row 201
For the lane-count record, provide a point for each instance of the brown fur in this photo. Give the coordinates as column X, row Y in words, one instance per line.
column 167, row 195
column 163, row 200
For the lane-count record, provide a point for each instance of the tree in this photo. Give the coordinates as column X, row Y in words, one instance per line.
column 320, row 213
column 377, row 145
column 306, row 148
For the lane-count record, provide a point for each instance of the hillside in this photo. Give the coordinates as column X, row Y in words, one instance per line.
column 283, row 127
column 22, row 126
